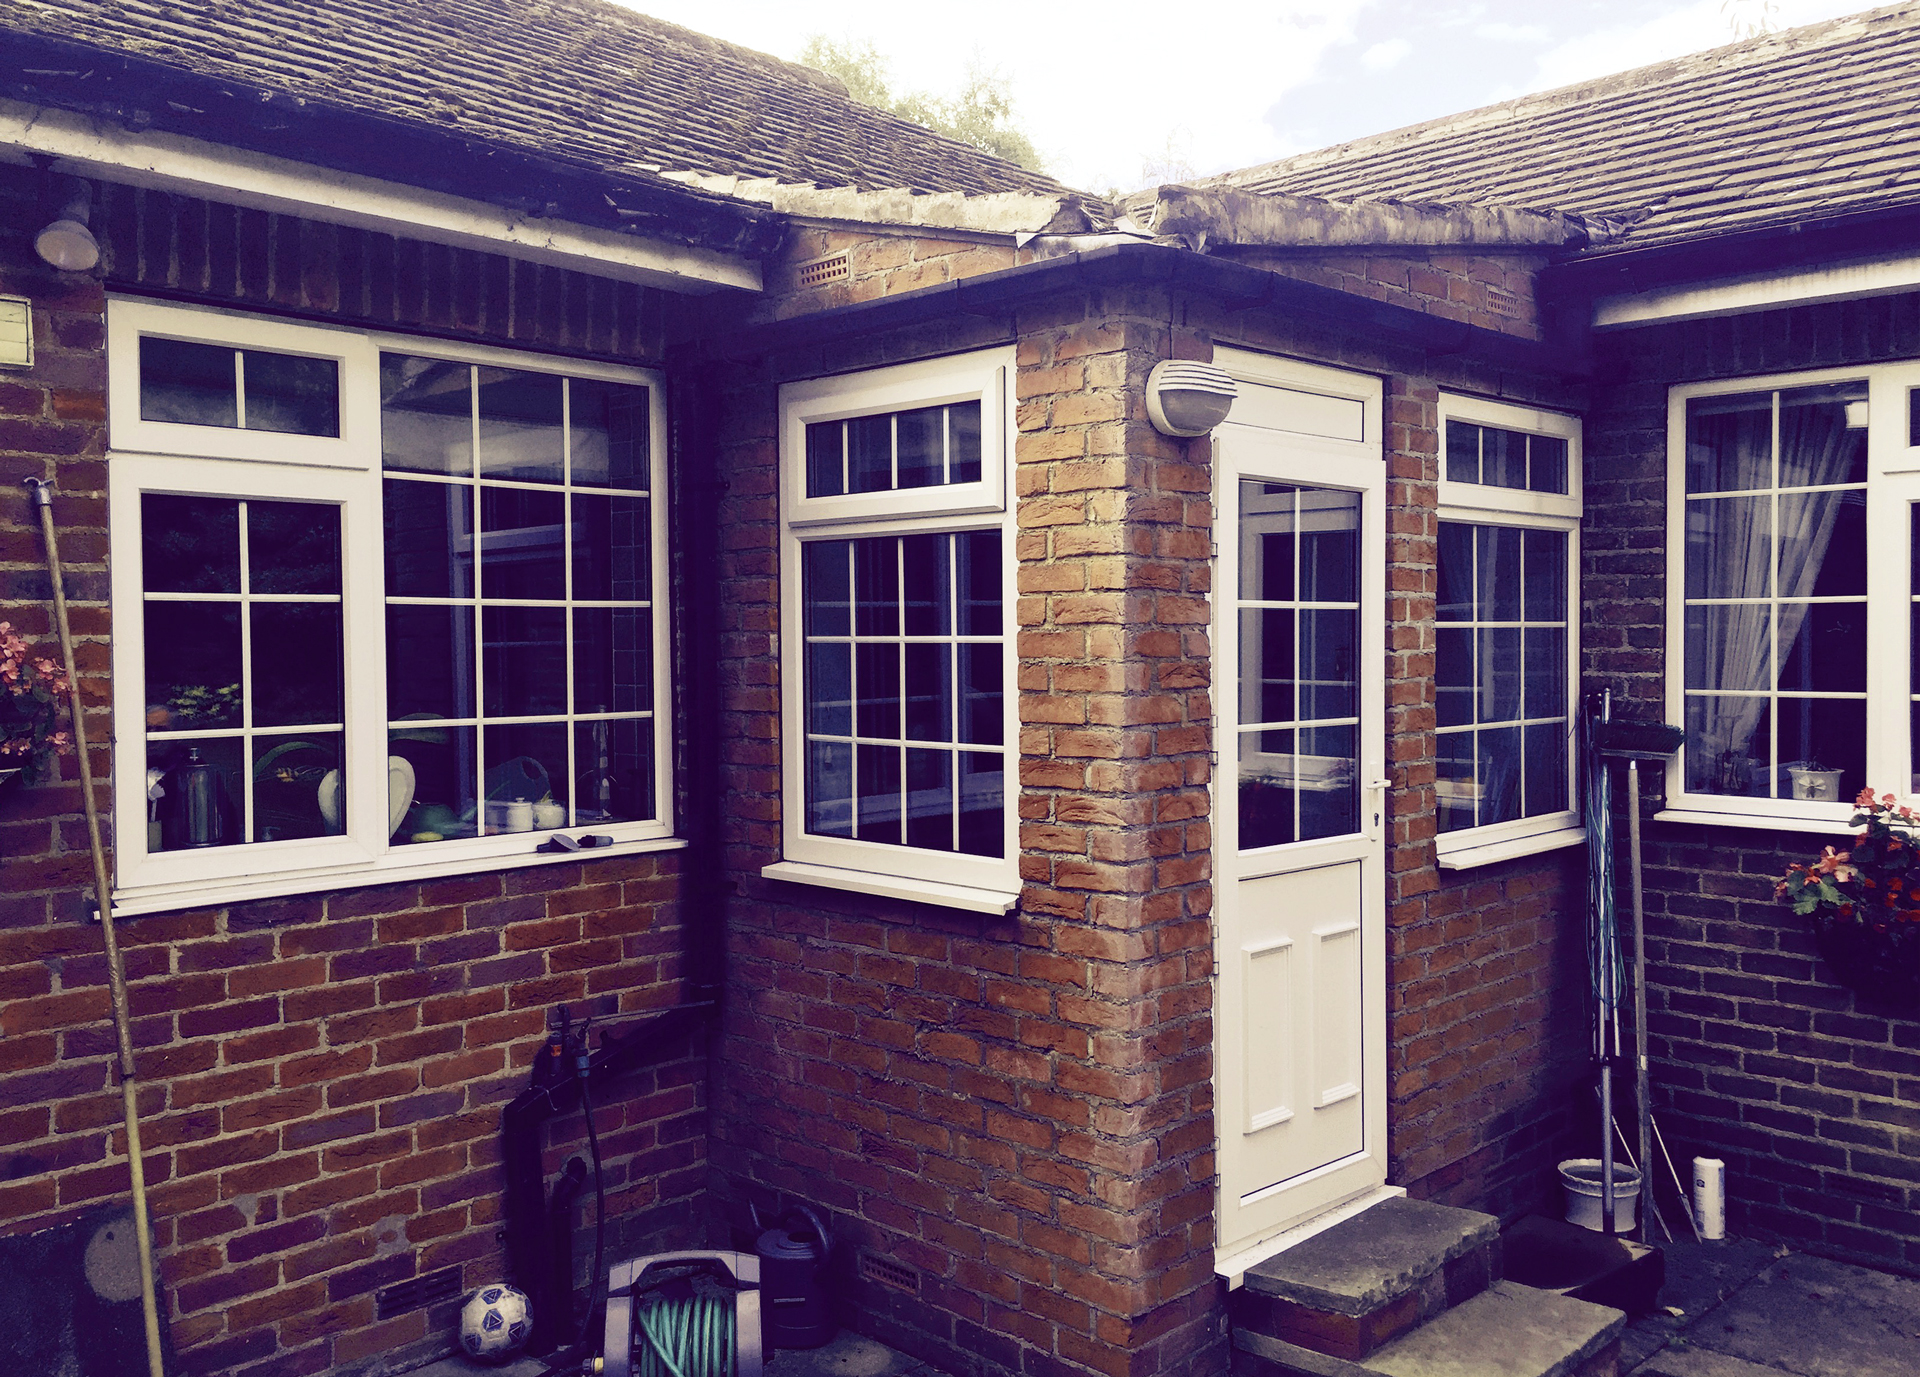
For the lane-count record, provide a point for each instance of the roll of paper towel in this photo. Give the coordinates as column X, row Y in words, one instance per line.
column 1710, row 1196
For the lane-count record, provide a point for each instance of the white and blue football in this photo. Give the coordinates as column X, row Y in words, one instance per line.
column 494, row 1322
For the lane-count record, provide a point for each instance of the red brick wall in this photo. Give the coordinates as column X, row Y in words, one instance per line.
column 1018, row 1109
column 1493, row 292
column 1810, row 1094
column 322, row 1077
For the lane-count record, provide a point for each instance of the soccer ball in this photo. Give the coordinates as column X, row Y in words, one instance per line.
column 494, row 1322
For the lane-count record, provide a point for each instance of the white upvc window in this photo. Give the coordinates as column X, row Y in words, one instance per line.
column 385, row 607
column 1506, row 631
column 1791, row 594
column 897, row 578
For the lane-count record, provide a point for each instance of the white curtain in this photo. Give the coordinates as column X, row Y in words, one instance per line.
column 1731, row 540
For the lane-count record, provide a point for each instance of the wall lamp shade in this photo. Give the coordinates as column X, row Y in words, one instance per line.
column 1186, row 398
column 68, row 245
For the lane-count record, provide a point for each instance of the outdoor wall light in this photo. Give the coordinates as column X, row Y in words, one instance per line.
column 1186, row 398
column 67, row 243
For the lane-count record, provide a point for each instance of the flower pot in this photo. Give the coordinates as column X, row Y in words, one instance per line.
column 1879, row 961
column 1580, row 1178
column 1817, row 786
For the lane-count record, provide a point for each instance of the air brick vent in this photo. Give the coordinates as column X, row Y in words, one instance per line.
column 885, row 1272
column 821, row 271
column 417, row 1293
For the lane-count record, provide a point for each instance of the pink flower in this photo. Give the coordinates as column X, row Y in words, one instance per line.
column 1834, row 863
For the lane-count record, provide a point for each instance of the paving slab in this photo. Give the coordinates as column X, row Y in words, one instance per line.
column 849, row 1355
column 1361, row 1264
column 1700, row 1362
column 1699, row 1277
column 1817, row 1318
column 1507, row 1330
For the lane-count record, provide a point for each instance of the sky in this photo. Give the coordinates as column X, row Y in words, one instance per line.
column 1121, row 94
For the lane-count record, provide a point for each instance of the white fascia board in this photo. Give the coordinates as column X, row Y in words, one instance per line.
column 167, row 162
column 1734, row 296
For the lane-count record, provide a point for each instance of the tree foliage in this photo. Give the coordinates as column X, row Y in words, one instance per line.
column 981, row 114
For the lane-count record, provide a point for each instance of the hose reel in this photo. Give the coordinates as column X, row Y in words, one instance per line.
column 687, row 1314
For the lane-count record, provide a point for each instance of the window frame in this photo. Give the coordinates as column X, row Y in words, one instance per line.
column 1486, row 504
column 1893, row 490
column 988, row 884
column 165, row 457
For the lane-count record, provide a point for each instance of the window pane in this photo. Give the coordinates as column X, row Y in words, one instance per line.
column 445, row 763
column 963, row 464
column 293, row 547
column 1499, row 774
column 1730, row 443
column 1455, row 680
column 1821, row 734
column 426, row 415
column 921, row 441
column 1497, row 580
column 929, row 693
column 291, row 395
column 978, row 557
column 1267, row 683
column 1546, row 672
column 526, row 768
column 609, row 434
column 1463, row 452
column 1823, row 544
column 193, row 665
column 1728, row 747
column 189, row 384
column 524, row 659
column 298, row 787
column 296, row 664
column 615, row 764
column 429, row 539
column 982, row 711
column 1328, row 781
column 189, row 544
column 429, row 661
column 1729, row 550
column 1266, row 789
column 930, row 800
column 876, row 671
column 1823, row 435
column 826, row 459
column 612, row 548
column 1329, row 688
column 1546, row 463
column 520, row 425
column 826, row 582
column 830, row 689
column 1499, row 669
column 1826, row 647
column 877, row 804
column 982, row 803
column 612, row 659
column 1547, row 745
column 1730, row 646
column 521, row 543
column 830, row 788
column 1329, row 546
column 1456, row 787
column 1545, row 583
column 203, row 793
column 870, row 454
column 927, row 584
column 1454, row 602
column 1267, row 554
column 876, row 585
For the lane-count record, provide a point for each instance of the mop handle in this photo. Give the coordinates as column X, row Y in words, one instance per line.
column 116, row 970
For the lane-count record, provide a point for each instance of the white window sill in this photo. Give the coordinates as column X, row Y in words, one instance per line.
column 219, row 893
column 1766, row 822
column 1465, row 856
column 968, row 897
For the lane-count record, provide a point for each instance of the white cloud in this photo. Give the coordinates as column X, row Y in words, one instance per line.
column 1382, row 56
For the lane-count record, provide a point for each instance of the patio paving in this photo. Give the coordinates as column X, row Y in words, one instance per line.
column 1751, row 1310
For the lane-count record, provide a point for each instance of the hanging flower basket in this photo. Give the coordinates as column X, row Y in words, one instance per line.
column 33, row 704
column 1864, row 902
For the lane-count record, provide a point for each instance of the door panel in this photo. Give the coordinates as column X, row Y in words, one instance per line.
column 1301, row 1069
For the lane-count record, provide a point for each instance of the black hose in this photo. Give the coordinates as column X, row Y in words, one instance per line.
column 594, row 1300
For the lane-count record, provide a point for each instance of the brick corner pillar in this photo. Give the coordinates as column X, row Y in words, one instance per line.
column 1114, row 547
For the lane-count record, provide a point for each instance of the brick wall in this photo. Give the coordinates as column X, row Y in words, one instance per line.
column 878, row 261
column 1493, row 292
column 1017, row 1110
column 322, row 1077
column 1760, row 1057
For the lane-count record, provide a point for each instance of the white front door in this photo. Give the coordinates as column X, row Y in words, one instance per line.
column 1299, row 796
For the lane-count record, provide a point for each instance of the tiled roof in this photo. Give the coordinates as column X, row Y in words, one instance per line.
column 1789, row 127
column 585, row 81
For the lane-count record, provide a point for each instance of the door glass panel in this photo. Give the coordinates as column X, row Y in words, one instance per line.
column 1299, row 617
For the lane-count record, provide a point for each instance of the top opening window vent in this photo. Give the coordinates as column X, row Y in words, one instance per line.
column 189, row 383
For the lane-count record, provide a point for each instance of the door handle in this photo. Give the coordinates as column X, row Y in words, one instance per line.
column 1376, row 791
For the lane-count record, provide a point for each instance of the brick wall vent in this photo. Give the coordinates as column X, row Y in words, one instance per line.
column 417, row 1293
column 885, row 1272
column 832, row 268
column 1503, row 303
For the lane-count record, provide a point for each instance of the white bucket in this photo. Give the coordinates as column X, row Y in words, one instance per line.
column 1580, row 1176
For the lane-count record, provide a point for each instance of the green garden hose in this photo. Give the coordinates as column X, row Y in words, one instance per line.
column 686, row 1337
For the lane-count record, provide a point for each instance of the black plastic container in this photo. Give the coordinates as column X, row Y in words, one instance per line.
column 797, row 1308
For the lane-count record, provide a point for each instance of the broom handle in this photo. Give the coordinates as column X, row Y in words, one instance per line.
column 116, row 970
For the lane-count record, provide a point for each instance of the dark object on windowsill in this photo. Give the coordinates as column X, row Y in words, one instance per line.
column 1637, row 740
column 596, row 839
column 1879, row 961
column 559, row 842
